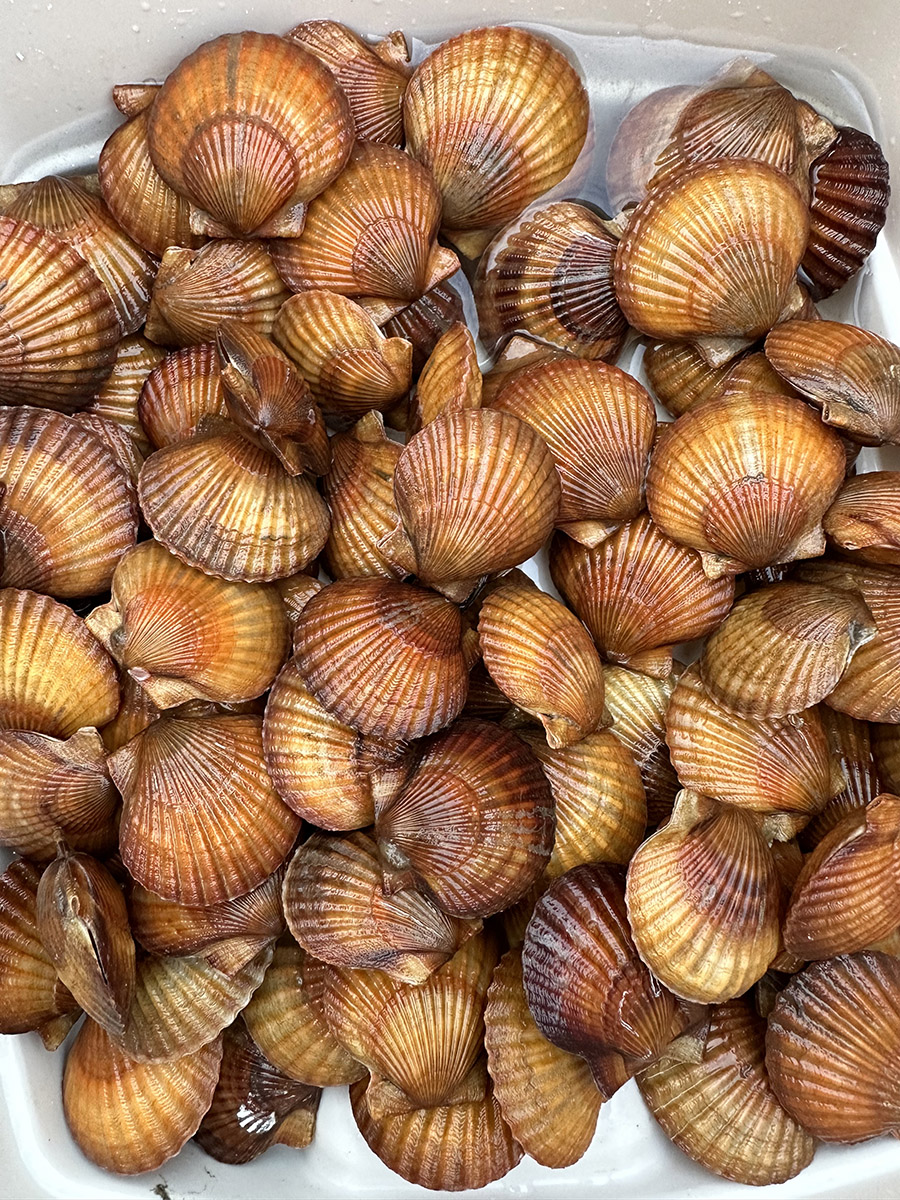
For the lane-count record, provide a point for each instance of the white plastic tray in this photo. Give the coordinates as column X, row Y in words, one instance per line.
column 57, row 62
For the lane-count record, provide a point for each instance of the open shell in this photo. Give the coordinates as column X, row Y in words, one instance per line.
column 182, row 389
column 499, row 116
column 250, row 128
column 183, row 635
column 639, row 593
column 745, row 480
column 550, row 275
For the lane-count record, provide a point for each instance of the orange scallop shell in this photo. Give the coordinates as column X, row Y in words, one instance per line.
column 182, row 389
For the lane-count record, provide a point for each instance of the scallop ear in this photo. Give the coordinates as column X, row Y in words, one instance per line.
column 550, row 275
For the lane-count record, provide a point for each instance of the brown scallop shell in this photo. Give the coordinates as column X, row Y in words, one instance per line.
column 424, row 321
column 599, row 424
column 130, row 1117
column 864, row 520
column 450, row 379
column 182, row 389
column 419, row 1041
column 228, row 935
column 269, row 401
column 183, row 635
column 550, row 275
column 201, row 821
column 136, row 711
column 637, row 704
column 59, row 328
column 832, row 1045
column 137, row 195
column 477, row 492
column 869, row 689
column 499, row 115
column 343, row 356
column 117, row 441
column 449, row 1148
column 851, row 189
column 55, row 677
column 250, row 127
column 547, row 1096
column 639, row 593
column 117, row 399
column 851, row 374
column 252, row 1103
column 384, row 657
column 680, row 376
column 196, row 290
column 338, row 912
column 588, row 991
column 371, row 232
column 32, row 996
column 601, row 810
column 474, row 825
column 543, row 658
column 703, row 901
column 782, row 649
column 847, row 895
column 225, row 506
column 286, row 1019
column 745, row 480
column 51, row 789
column 761, row 765
column 688, row 242
column 853, row 751
column 721, row 1110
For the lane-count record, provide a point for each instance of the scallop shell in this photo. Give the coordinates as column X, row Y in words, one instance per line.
column 832, row 1047
column 130, row 1117
column 761, row 765
column 637, row 704
column 269, row 401
column 349, row 365
column 499, row 116
column 252, row 1103
column 847, row 895
column 228, row 935
column 250, row 127
column 849, row 205
column 601, row 810
column 55, row 677
column 68, row 512
column 474, row 825
column 477, row 492
column 851, row 374
column 182, row 389
column 703, row 901
column 722, row 1110
column 588, row 991
column 864, row 520
column 424, row 321
column 59, row 329
column 450, row 380
column 384, row 657
column 549, row 274
column 688, row 242
column 51, row 789
column 32, row 996
column 337, row 911
column 547, row 1096
column 419, row 1041
column 117, row 441
column 136, row 711
column 449, row 1148
column 117, row 399
column 82, row 221
column 149, row 211
column 680, row 376
column 853, row 749
column 869, row 689
column 183, row 635
column 745, row 480
column 642, row 135
column 373, row 85
column 371, row 232
column 201, row 821
column 782, row 649
column 599, row 424
column 196, row 290
column 639, row 593
column 225, row 506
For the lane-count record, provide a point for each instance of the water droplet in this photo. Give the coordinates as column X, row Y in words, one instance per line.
column 20, row 56
column 135, row 29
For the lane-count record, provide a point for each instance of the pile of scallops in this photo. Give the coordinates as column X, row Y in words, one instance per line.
column 309, row 785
